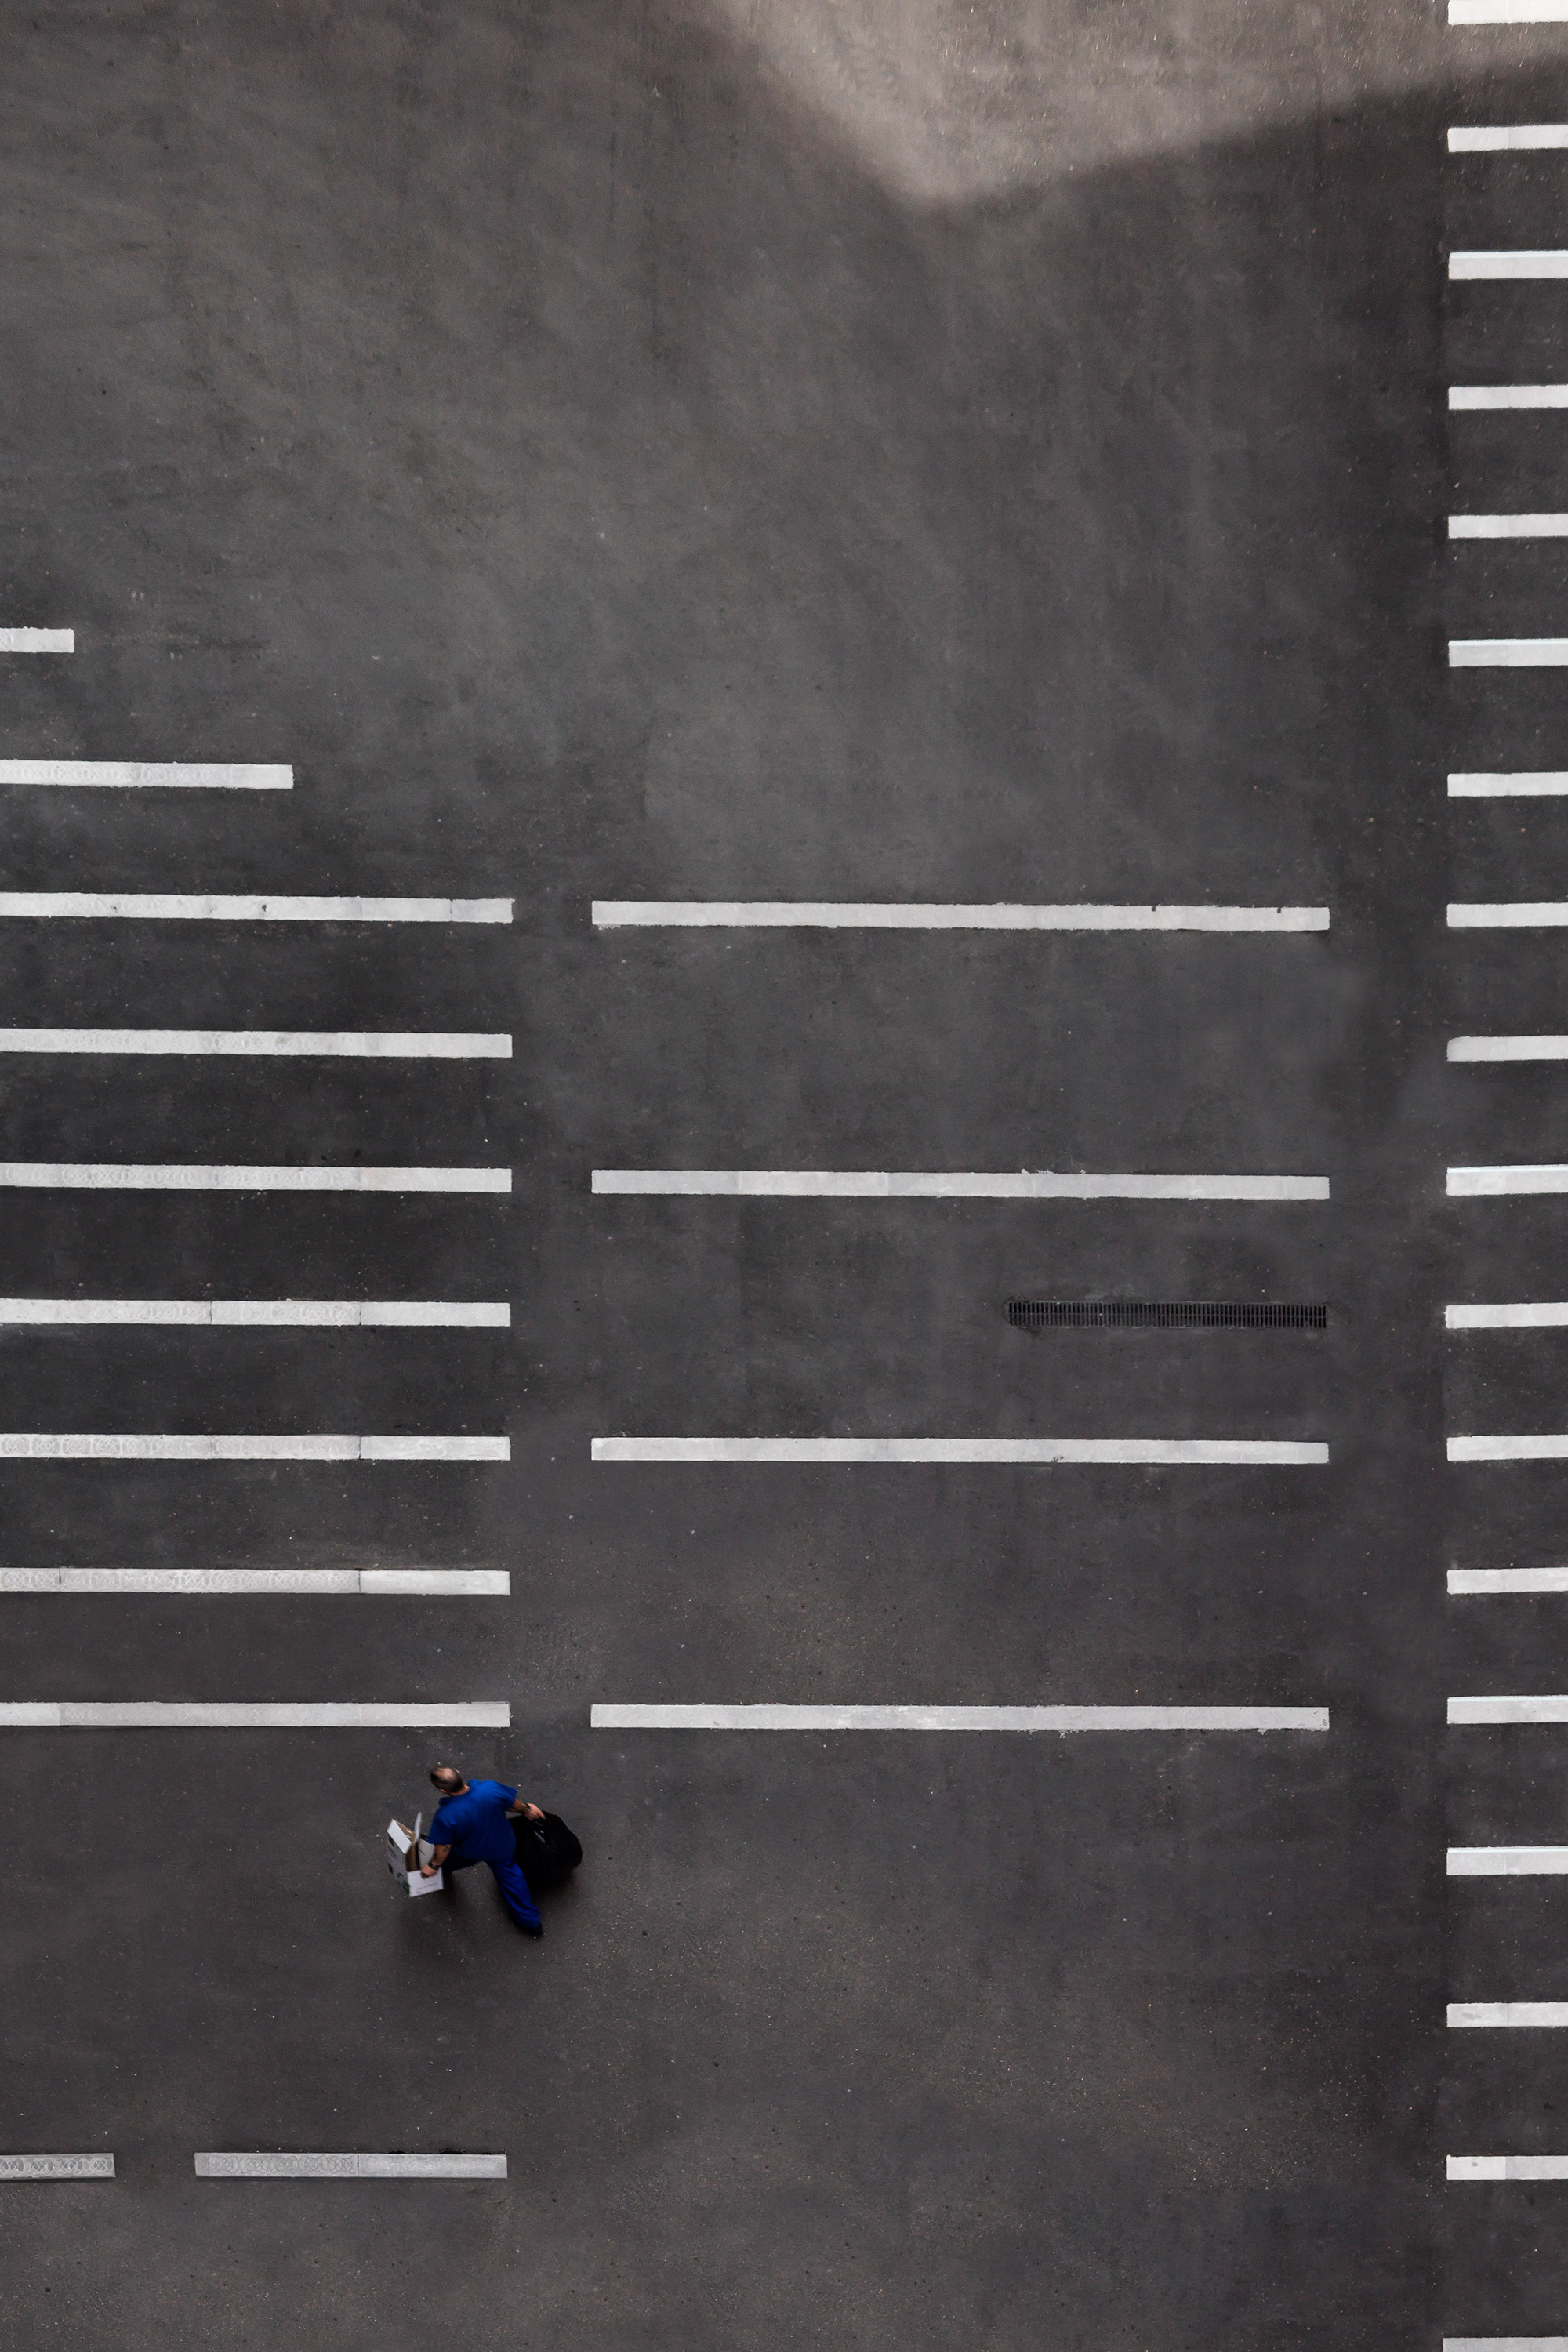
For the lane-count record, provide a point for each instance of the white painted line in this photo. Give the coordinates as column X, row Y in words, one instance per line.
column 1505, row 2343
column 201, row 775
column 1504, row 1449
column 1508, row 1580
column 26, row 1445
column 1549, row 1709
column 353, row 1045
column 1507, row 2013
column 38, row 641
column 182, row 1176
column 1508, row 2167
column 268, row 1314
column 1527, row 1315
column 1507, row 12
column 165, row 907
column 1508, row 653
column 1508, row 1049
column 901, row 915
column 920, row 1185
column 1490, row 1184
column 1508, row 526
column 1492, row 136
column 56, row 2168
column 1508, row 1861
column 1522, row 784
column 216, row 2165
column 1510, row 914
column 269, row 1715
column 312, row 1583
column 1015, row 1449
column 1508, row 395
column 1529, row 262
column 959, row 1718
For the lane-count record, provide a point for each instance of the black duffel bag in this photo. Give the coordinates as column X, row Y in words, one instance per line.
column 547, row 1852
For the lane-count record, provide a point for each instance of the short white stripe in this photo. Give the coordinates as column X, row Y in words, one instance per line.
column 1527, row 1315
column 1508, row 653
column 1508, row 395
column 26, row 1445
column 1508, row 1049
column 920, row 1185
column 1531, row 262
column 1508, row 1580
column 56, row 2168
column 38, row 641
column 215, row 2164
column 1508, row 1449
column 165, row 907
column 312, row 1583
column 268, row 1314
column 1484, row 140
column 1508, row 526
column 765, row 1717
column 1476, row 1183
column 1522, row 784
column 353, row 1045
column 1016, row 1450
column 196, row 774
column 1510, row 914
column 267, row 1715
column 1548, row 1709
column 1507, row 2013
column 182, row 1176
column 1508, row 1861
column 899, row 915
column 1508, row 2167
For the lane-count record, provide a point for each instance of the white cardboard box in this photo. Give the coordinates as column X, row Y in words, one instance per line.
column 398, row 1842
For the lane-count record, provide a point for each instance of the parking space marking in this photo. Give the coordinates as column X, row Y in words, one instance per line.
column 38, row 641
column 1473, row 140
column 351, row 1044
column 1508, row 1049
column 1534, row 262
column 270, row 1714
column 1547, row 1708
column 56, row 2168
column 71, row 1445
column 1525, row 1315
column 220, row 2164
column 196, row 775
column 189, row 1176
column 913, row 1450
column 768, row 1717
column 269, row 1314
column 901, row 915
column 1491, row 1183
column 1509, row 1448
column 1508, row 1861
column 1505, row 2343
column 1522, row 784
column 323, row 1583
column 1521, row 2013
column 1508, row 395
column 1508, row 526
column 944, row 1184
column 1508, row 1580
column 1508, row 653
column 1508, row 2167
column 170, row 906
column 1507, row 12
column 1509, row 914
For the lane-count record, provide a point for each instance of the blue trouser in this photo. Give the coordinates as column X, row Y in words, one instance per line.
column 515, row 1893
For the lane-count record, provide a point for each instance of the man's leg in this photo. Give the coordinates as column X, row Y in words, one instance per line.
column 515, row 1893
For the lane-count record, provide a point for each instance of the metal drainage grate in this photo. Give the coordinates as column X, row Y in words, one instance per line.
column 1161, row 1315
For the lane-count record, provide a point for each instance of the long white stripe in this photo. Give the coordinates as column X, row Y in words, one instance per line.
column 200, row 775
column 267, row 1715
column 1510, row 914
column 56, row 2168
column 1508, row 1861
column 1508, row 2167
column 1508, row 395
column 1016, row 1450
column 182, row 1176
column 941, row 1184
column 312, row 1583
column 1522, row 784
column 1508, row 1580
column 266, row 1314
column 1508, row 1449
column 768, row 1717
column 1527, row 1315
column 899, row 915
column 353, row 1045
column 1505, row 2343
column 1548, row 1709
column 168, row 907
column 1529, row 262
column 1508, row 1049
column 1474, row 140
column 1508, row 526
column 1490, row 1184
column 1508, row 653
column 38, row 641
column 1507, row 2013
column 29, row 1445
column 1507, row 12
column 220, row 2164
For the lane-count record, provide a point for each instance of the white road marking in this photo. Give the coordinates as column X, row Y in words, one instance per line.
column 899, row 915
column 268, row 1314
column 72, row 1445
column 38, row 641
column 1508, row 395
column 189, row 1176
column 167, row 906
column 1483, row 139
column 1505, row 2343
column 1547, row 1709
column 350, row 1045
column 1507, row 2013
column 1508, row 1861
column 1527, row 1315
column 1508, row 2167
column 315, row 1583
column 1507, row 12
column 920, row 1185
column 1508, row 526
column 764, row 1718
column 1015, row 1449
column 1503, row 1049
column 216, row 2165
column 1508, row 653
column 1537, row 261
column 1508, row 1449
column 56, row 2168
column 1508, row 1580
column 1525, row 783
column 267, row 1715
column 1510, row 914
column 200, row 775
column 1490, row 1184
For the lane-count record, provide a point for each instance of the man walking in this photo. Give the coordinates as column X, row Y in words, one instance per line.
column 473, row 1823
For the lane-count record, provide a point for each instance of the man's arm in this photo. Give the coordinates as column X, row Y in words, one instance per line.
column 437, row 1857
column 530, row 1812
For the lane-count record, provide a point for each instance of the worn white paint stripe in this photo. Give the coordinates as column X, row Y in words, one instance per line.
column 38, row 641
column 1508, row 653
column 204, row 775
column 1507, row 12
column 27, row 1445
column 313, row 1584
column 1490, row 1184
column 1505, row 2343
column 1508, row 1580
column 1551, row 1709
column 1535, row 261
column 1473, row 140
column 1508, row 1861
column 1508, row 2167
column 167, row 906
column 1508, row 1049
column 1508, row 526
column 266, row 1314
column 1527, row 1315
column 353, row 1045
column 901, row 915
column 182, row 1176
column 1508, row 395
column 221, row 2165
column 1016, row 1450
column 1507, row 2013
column 1521, row 783
column 267, row 1714
column 942, row 1184
column 1509, row 1448
column 768, row 1717
column 1510, row 914
column 56, row 2168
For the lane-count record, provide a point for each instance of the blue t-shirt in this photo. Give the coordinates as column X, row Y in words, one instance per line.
column 475, row 1825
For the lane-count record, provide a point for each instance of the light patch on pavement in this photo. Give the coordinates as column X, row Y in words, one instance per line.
column 38, row 641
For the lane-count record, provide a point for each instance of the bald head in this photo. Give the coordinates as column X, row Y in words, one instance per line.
column 448, row 1779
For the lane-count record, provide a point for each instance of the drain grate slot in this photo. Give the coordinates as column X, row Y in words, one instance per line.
column 1163, row 1314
